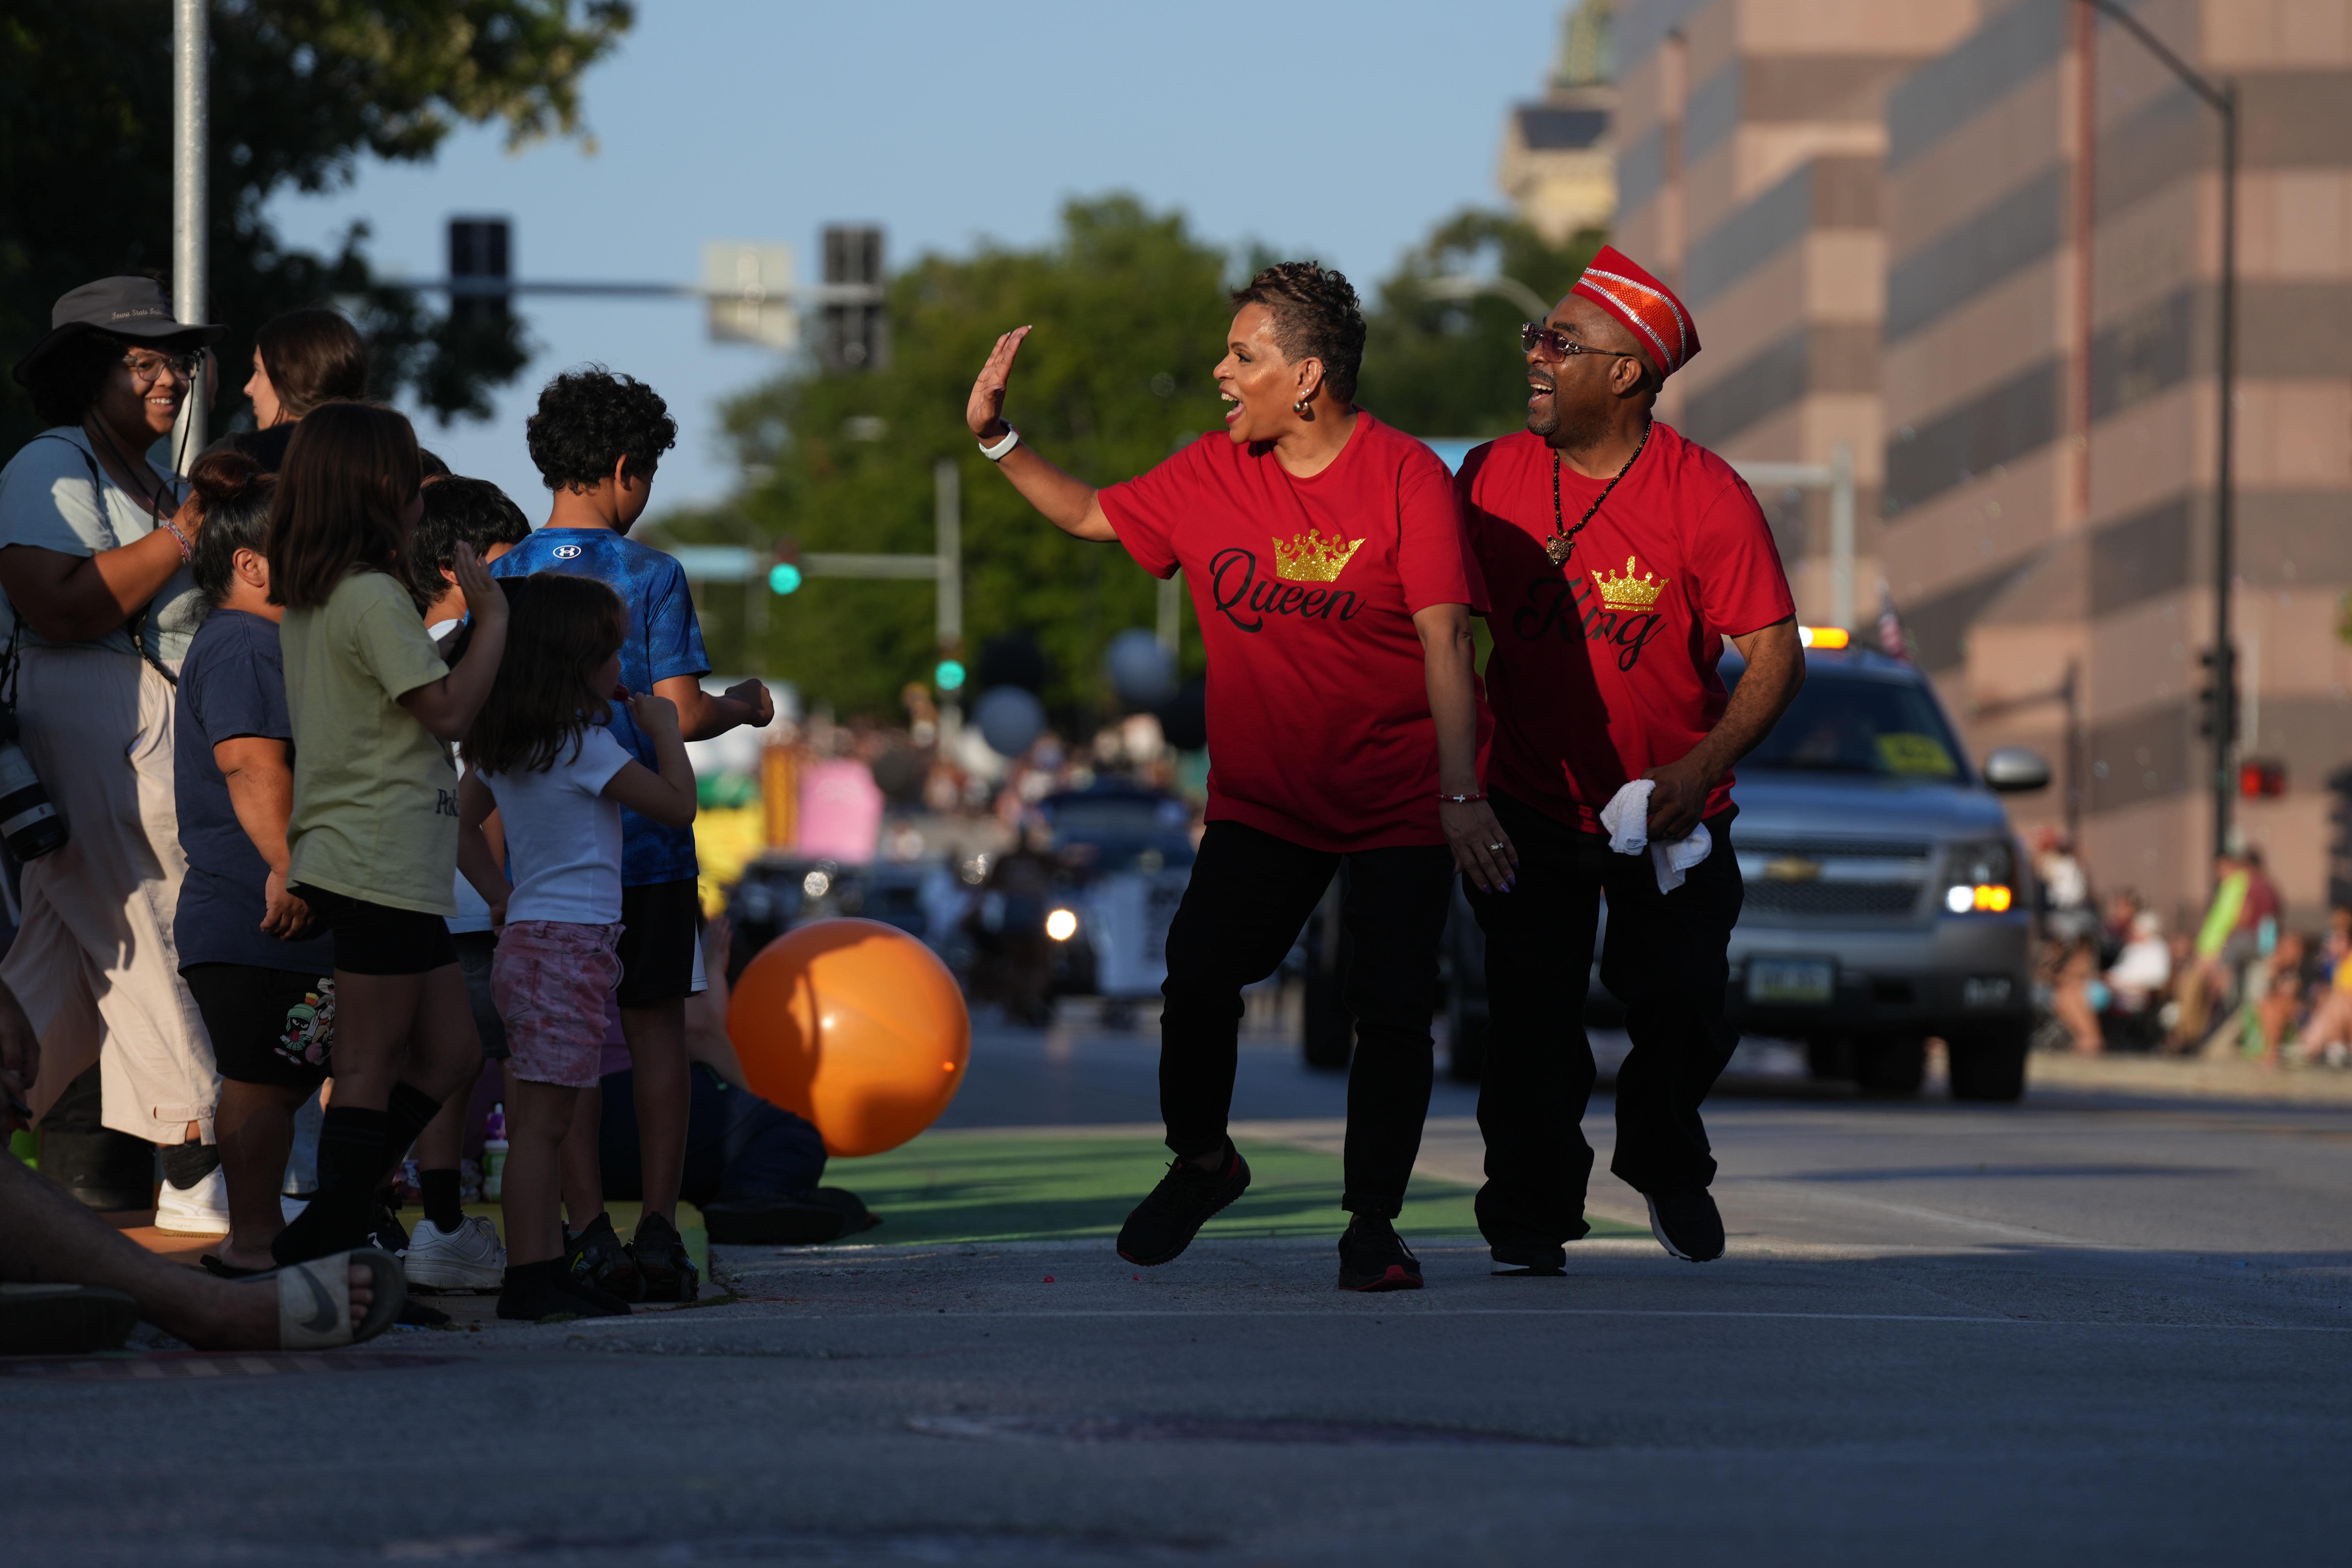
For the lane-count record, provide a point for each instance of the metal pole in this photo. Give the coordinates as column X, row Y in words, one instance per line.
column 2225, row 733
column 947, row 516
column 1842, row 535
column 191, row 196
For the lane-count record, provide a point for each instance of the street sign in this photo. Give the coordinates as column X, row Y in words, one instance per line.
column 749, row 290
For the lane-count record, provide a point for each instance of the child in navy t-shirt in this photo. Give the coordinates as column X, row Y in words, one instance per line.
column 596, row 440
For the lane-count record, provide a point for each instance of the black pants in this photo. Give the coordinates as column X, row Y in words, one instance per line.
column 1665, row 960
column 1250, row 894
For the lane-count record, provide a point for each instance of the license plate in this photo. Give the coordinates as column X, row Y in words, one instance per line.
column 1788, row 981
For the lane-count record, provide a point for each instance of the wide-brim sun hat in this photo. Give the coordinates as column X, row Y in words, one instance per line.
column 132, row 308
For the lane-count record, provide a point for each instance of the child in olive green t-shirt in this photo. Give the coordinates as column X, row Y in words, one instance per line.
column 374, row 831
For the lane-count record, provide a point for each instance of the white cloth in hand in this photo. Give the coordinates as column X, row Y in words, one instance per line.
column 1627, row 818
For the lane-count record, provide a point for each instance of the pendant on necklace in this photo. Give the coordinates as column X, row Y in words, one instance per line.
column 1559, row 547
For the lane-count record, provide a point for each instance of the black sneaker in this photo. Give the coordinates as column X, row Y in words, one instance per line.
column 1686, row 1225
column 1374, row 1257
column 801, row 1219
column 598, row 1257
column 605, row 1302
column 1164, row 1224
column 662, row 1264
column 386, row 1231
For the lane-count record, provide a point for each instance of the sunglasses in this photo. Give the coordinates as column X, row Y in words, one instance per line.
column 1535, row 338
column 148, row 366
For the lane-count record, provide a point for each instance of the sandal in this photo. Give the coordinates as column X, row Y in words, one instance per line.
column 64, row 1320
column 314, row 1300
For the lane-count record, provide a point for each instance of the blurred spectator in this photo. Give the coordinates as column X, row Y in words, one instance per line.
column 2071, row 996
column 2274, row 990
column 2328, row 1036
column 2206, row 983
column 2067, row 913
column 2142, row 972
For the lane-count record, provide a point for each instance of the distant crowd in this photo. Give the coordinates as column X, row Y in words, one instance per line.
column 2244, row 983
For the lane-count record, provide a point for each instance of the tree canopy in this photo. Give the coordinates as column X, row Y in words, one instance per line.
column 1130, row 310
column 302, row 89
column 1442, row 367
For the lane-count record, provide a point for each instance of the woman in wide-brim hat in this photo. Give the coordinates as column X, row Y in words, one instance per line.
column 94, row 553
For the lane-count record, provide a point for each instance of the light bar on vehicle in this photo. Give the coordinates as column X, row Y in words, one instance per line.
column 1822, row 636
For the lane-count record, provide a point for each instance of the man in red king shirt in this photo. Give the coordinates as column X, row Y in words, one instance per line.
column 1334, row 589
column 1618, row 556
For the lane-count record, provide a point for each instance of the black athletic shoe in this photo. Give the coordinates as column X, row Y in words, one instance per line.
column 386, row 1231
column 1164, row 1224
column 1374, row 1257
column 598, row 1257
column 1686, row 1225
column 604, row 1302
column 669, row 1274
column 798, row 1219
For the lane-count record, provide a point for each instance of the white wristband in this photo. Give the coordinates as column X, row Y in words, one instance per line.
column 996, row 454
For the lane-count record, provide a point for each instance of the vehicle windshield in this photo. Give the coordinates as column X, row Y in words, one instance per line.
column 1120, row 832
column 1845, row 721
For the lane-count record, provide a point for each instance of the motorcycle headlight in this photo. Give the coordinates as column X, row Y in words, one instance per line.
column 1980, row 877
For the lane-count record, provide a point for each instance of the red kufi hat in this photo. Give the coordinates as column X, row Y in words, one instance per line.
column 1658, row 321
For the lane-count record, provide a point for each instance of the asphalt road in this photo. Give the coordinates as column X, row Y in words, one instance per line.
column 2078, row 1330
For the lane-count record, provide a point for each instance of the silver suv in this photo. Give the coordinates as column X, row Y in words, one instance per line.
column 1888, row 897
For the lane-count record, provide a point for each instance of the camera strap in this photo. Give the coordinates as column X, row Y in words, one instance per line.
column 136, row 624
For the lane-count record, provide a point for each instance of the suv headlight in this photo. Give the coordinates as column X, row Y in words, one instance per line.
column 1980, row 877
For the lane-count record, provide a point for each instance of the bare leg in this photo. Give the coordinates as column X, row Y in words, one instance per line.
column 583, row 1169
column 657, row 1038
column 45, row 1235
column 255, row 1127
column 442, row 1144
column 538, row 1116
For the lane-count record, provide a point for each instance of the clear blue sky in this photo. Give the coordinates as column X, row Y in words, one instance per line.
column 1338, row 132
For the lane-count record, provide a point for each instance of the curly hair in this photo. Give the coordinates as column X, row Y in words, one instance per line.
column 233, row 496
column 1316, row 316
column 561, row 629
column 589, row 419
column 69, row 377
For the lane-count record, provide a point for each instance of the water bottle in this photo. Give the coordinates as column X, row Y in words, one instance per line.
column 29, row 825
column 494, row 1154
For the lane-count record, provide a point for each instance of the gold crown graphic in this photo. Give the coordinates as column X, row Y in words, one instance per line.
column 1311, row 558
column 1629, row 592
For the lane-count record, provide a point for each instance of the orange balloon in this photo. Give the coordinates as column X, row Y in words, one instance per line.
column 855, row 1025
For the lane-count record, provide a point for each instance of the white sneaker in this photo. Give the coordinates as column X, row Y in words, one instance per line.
column 466, row 1259
column 200, row 1210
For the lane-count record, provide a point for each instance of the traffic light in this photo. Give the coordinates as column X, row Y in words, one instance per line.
column 482, row 273
column 2216, row 699
column 784, row 576
column 948, row 674
column 855, row 336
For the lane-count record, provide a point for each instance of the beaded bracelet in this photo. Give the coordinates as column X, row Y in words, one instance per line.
column 1463, row 799
column 187, row 551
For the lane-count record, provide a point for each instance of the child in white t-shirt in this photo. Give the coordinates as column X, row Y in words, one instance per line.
column 540, row 756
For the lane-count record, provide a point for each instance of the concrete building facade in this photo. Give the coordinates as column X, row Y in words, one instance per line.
column 2053, row 222
column 1886, row 224
column 1558, row 166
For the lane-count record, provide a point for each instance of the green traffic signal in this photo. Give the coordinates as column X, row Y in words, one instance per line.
column 949, row 676
column 783, row 577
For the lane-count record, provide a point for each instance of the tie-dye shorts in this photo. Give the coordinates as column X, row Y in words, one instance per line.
column 550, row 979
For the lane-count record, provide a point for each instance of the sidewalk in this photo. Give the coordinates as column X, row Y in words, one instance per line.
column 2188, row 1077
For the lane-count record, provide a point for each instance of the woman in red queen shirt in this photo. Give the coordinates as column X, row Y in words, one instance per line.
column 1334, row 587
column 1619, row 555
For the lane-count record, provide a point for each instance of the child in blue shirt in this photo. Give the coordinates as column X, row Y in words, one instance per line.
column 596, row 440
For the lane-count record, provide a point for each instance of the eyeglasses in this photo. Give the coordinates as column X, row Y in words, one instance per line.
column 1535, row 338
column 146, row 367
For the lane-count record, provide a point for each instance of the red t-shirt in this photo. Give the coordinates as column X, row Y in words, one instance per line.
column 1604, row 668
column 1305, row 589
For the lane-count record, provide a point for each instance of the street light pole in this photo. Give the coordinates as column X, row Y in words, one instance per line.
column 2221, row 97
column 191, row 196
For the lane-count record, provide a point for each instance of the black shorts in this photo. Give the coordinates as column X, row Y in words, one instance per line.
column 657, row 937
column 474, row 950
column 268, row 1025
column 376, row 939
